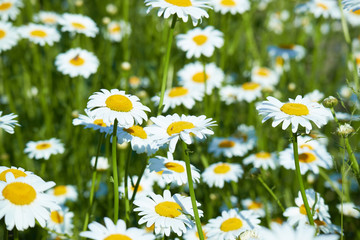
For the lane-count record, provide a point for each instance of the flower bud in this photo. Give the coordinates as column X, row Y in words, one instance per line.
column 126, row 66
column 345, row 130
column 330, row 102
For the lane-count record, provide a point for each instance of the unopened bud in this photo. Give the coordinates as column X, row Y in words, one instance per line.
column 75, row 114
column 126, row 66
column 292, row 86
column 79, row 3
column 330, row 102
column 111, row 8
column 106, row 20
column 345, row 130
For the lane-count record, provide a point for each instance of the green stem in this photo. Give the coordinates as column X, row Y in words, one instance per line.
column 271, row 193
column 354, row 163
column 115, row 173
column 192, row 192
column 166, row 63
column 16, row 234
column 127, row 207
column 138, row 180
column 299, row 177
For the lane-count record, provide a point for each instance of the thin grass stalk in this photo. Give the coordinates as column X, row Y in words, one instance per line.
column 115, row 173
column 137, row 184
column 127, row 206
column 271, row 193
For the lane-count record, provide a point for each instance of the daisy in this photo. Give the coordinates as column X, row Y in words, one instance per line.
column 39, row 34
column 249, row 92
column 256, row 206
column 277, row 21
column 192, row 76
column 182, row 8
column 102, row 163
column 228, row 147
column 315, row 96
column 232, row 6
column 9, row 9
column 168, row 213
column 247, row 135
column 264, row 76
column 171, row 128
column 23, row 201
column 17, row 172
column 219, row 173
column 8, row 36
column 177, row 96
column 77, row 23
column 155, row 178
column 324, row 8
column 62, row 193
column 197, row 41
column 231, row 224
column 286, row 52
column 296, row 112
column 47, row 18
column 349, row 209
column 116, row 30
column 325, row 226
column 115, row 231
column 90, row 121
column 264, row 160
column 351, row 4
column 60, row 221
column 44, row 149
column 144, row 188
column 353, row 17
column 229, row 94
column 77, row 62
column 310, row 143
column 192, row 234
column 8, row 123
column 115, row 104
column 173, row 170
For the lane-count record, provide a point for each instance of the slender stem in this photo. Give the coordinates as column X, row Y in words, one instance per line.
column 166, row 63
column 138, row 180
column 354, row 163
column 192, row 192
column 16, row 234
column 115, row 173
column 299, row 177
column 271, row 193
column 127, row 207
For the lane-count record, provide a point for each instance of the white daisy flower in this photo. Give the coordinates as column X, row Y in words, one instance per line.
column 173, row 170
column 8, row 123
column 17, row 172
column 264, row 160
column 102, row 163
column 277, row 21
column 9, row 36
column 168, row 213
column 44, row 149
column 349, row 209
column 232, row 6
column 353, row 17
column 231, row 224
column 296, row 112
column 116, row 30
column 197, row 42
column 9, row 9
column 229, row 94
column 351, row 4
column 47, row 18
column 249, row 92
column 144, row 188
column 177, row 96
column 256, row 206
column 247, row 134
column 115, row 104
column 228, row 147
column 192, row 76
column 62, row 193
column 286, row 52
column 266, row 77
column 155, row 177
column 182, row 8
column 171, row 128
column 77, row 23
column 39, row 34
column 22, row 201
column 315, row 96
column 219, row 173
column 60, row 221
column 77, row 62
column 90, row 121
column 325, row 226
column 115, row 231
column 324, row 8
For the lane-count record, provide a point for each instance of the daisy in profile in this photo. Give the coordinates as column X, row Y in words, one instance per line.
column 351, row 4
column 326, row 226
column 8, row 123
column 17, row 172
column 23, row 201
column 9, row 9
column 219, row 173
column 115, row 231
column 298, row 111
column 39, row 34
column 168, row 213
column 77, row 62
column 249, row 92
column 62, row 193
column 349, row 209
column 173, row 171
column 77, row 23
column 231, row 224
column 265, row 77
column 9, row 37
column 228, row 147
column 231, row 6
column 90, row 121
column 116, row 104
column 102, row 163
column 47, row 18
column 197, row 42
column 171, row 128
column 144, row 189
column 264, row 160
column 60, row 221
column 287, row 51
column 229, row 94
column 192, row 76
column 44, row 149
column 177, row 96
column 247, row 135
column 254, row 205
column 116, row 30
column 182, row 8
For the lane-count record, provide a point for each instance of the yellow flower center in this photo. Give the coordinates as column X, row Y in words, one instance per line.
column 307, row 157
column 319, row 222
column 43, row 146
column 180, row 3
column 136, row 131
column 302, row 209
column 250, row 86
column 60, row 190
column 287, row 46
column 19, row 193
column 279, row 61
column 49, row 20
column 306, row 146
column 140, row 188
column 264, row 72
column 77, row 61
column 226, row 144
column 78, row 26
column 222, row 168
column 17, row 173
column 323, row 6
column 296, row 109
column 168, row 209
column 117, row 236
column 119, row 103
column 357, row 61
column 5, row 6
column 255, row 205
column 2, row 34
column 56, row 217
column 263, row 155
column 115, row 29
column 357, row 12
column 228, row 3
column 175, row 167
column 99, row 122
column 231, row 224
column 178, row 92
column 134, row 80
column 177, row 127
column 38, row 33
column 200, row 77
column 150, row 229
column 200, row 39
